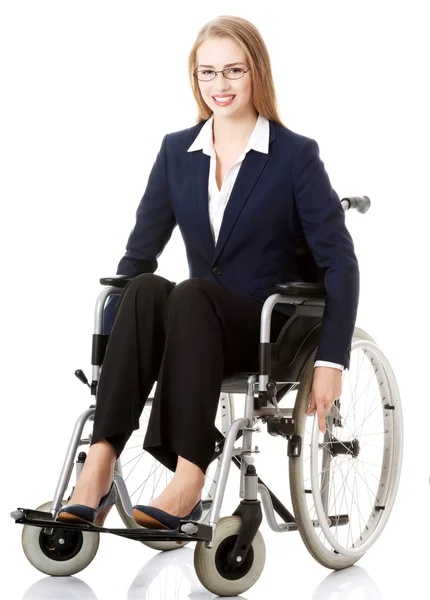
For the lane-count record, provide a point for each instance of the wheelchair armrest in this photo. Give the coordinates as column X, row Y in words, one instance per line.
column 119, row 281
column 301, row 288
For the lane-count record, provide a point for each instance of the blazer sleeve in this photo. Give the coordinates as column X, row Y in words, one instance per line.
column 323, row 221
column 154, row 225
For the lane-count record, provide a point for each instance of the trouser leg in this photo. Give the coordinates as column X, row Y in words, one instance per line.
column 211, row 333
column 132, row 359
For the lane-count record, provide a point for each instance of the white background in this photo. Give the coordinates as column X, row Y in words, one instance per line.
column 88, row 90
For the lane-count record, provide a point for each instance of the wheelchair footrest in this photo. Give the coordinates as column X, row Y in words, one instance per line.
column 187, row 530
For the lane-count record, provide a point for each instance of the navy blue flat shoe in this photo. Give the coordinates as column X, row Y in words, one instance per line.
column 79, row 513
column 155, row 518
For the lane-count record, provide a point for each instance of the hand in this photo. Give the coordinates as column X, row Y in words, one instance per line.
column 326, row 388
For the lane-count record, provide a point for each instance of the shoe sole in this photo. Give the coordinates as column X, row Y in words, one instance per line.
column 71, row 518
column 145, row 520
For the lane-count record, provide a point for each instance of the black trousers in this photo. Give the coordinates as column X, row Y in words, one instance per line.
column 186, row 337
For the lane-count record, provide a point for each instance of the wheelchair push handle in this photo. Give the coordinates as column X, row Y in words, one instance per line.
column 360, row 203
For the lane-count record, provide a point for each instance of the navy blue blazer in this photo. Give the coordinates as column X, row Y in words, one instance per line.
column 277, row 197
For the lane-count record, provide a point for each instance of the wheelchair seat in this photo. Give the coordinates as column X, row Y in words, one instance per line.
column 295, row 342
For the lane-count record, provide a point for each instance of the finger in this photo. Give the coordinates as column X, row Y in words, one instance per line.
column 312, row 406
column 328, row 406
column 321, row 417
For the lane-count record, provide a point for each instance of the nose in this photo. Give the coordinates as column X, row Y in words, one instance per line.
column 222, row 89
column 222, row 84
column 221, row 92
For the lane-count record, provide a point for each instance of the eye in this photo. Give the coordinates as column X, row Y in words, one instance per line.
column 205, row 72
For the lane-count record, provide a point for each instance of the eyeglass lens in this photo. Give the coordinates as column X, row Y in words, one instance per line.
column 208, row 74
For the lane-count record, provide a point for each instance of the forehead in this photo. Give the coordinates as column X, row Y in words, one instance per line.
column 219, row 53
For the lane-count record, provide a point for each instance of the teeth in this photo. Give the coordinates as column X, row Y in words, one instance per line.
column 224, row 99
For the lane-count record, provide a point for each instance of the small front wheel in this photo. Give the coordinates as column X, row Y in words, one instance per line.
column 62, row 553
column 213, row 568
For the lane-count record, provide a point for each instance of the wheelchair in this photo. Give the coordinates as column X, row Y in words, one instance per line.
column 343, row 483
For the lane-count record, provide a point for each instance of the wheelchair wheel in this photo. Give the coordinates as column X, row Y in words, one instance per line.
column 146, row 478
column 344, row 483
column 62, row 553
column 213, row 569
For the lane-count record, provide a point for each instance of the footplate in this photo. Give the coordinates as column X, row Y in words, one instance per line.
column 186, row 531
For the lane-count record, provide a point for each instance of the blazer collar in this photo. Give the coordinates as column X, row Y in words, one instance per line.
column 259, row 139
column 250, row 171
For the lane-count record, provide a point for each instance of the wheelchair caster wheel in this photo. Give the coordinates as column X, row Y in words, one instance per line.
column 213, row 569
column 61, row 554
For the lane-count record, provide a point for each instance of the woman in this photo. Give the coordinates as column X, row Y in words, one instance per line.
column 242, row 188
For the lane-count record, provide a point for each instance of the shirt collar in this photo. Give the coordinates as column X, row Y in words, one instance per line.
column 259, row 139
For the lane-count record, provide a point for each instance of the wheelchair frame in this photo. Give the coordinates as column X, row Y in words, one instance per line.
column 249, row 508
column 302, row 331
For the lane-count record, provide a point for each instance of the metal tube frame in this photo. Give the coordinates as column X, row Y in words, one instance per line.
column 245, row 423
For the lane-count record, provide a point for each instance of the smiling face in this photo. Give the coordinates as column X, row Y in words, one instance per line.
column 214, row 54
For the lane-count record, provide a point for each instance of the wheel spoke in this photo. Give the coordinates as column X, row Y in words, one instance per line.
column 145, row 477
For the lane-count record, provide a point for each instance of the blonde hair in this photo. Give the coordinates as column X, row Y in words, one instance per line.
column 247, row 36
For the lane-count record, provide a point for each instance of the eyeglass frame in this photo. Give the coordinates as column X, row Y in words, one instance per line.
column 222, row 71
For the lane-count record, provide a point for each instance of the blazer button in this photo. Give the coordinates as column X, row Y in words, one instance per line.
column 216, row 271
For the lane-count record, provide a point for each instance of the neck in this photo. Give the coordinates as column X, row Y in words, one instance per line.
column 234, row 129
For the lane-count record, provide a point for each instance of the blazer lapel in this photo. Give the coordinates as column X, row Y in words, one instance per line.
column 198, row 171
column 249, row 173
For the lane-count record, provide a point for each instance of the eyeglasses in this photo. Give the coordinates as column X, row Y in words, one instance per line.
column 209, row 74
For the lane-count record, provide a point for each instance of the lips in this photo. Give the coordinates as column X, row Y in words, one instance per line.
column 224, row 103
column 224, row 96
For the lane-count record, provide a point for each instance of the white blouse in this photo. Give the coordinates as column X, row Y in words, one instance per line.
column 259, row 141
